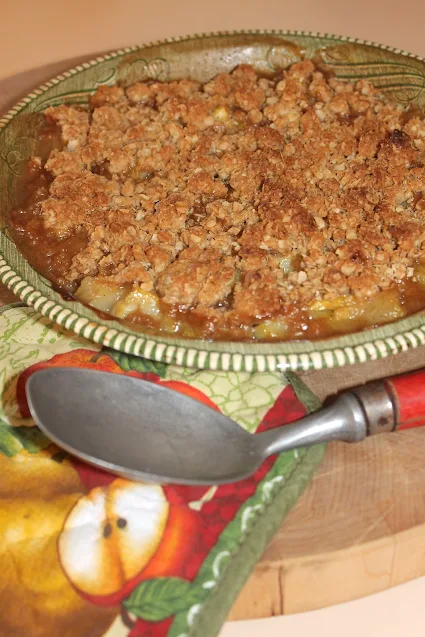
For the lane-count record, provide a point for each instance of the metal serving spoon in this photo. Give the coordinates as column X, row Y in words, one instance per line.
column 143, row 431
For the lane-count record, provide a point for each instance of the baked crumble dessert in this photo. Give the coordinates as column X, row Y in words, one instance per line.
column 244, row 208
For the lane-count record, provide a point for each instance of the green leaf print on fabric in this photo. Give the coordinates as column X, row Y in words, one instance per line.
column 156, row 599
column 14, row 439
column 129, row 363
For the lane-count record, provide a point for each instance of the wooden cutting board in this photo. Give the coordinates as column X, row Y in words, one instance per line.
column 359, row 527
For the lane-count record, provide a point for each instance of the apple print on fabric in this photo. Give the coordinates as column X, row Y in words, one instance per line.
column 120, row 558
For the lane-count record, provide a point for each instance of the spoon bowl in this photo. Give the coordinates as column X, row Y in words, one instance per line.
column 138, row 429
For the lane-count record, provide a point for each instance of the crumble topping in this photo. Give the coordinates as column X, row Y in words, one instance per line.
column 244, row 196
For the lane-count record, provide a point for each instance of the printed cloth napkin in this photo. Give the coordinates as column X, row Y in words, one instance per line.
column 86, row 554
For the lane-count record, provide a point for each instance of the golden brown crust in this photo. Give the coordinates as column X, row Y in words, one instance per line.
column 202, row 192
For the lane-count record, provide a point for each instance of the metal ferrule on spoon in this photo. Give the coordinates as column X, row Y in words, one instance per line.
column 351, row 418
column 377, row 407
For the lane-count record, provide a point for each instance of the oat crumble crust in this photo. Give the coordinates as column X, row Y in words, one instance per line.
column 204, row 193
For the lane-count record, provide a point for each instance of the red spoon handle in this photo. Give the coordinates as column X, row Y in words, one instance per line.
column 408, row 397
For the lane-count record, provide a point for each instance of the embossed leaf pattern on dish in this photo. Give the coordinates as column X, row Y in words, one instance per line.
column 18, row 152
column 402, row 79
column 104, row 76
column 280, row 57
column 18, row 149
column 140, row 69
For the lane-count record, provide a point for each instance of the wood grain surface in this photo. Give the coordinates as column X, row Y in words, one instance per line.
column 359, row 527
